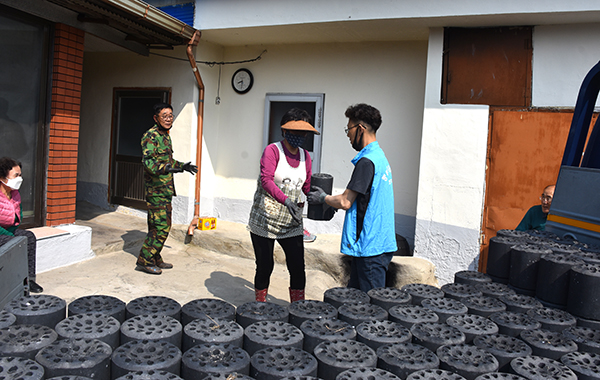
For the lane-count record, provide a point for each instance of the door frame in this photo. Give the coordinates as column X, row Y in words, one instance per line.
column 318, row 100
column 118, row 93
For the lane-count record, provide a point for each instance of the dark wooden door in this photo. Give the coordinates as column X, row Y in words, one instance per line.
column 132, row 116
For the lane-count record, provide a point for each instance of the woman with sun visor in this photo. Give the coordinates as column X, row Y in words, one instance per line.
column 285, row 171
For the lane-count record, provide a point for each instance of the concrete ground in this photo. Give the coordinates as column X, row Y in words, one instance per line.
column 214, row 264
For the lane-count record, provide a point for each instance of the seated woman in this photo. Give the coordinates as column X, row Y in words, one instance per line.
column 11, row 214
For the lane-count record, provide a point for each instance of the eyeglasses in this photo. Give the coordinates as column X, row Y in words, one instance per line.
column 166, row 117
column 546, row 198
column 352, row 127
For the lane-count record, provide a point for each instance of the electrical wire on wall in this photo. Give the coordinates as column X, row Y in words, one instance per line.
column 220, row 64
column 213, row 63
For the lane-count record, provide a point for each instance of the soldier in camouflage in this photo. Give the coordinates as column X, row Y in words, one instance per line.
column 159, row 166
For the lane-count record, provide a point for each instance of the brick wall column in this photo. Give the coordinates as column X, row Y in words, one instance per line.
column 64, row 125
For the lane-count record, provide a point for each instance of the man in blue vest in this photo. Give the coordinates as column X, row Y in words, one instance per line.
column 369, row 234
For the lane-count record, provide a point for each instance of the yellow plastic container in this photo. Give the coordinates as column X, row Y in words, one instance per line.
column 207, row 223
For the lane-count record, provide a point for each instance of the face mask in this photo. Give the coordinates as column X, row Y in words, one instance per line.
column 294, row 140
column 356, row 144
column 14, row 183
column 161, row 128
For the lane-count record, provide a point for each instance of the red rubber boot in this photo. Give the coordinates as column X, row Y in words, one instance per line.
column 296, row 295
column 261, row 295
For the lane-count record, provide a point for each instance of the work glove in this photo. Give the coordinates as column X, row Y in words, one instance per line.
column 170, row 169
column 316, row 195
column 189, row 167
column 293, row 209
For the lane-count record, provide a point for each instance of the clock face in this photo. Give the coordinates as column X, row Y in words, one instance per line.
column 242, row 81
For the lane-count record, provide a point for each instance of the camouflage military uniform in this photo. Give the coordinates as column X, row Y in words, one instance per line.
column 157, row 153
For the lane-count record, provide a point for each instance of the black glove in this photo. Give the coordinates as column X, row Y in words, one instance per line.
column 189, row 167
column 316, row 195
column 170, row 169
column 294, row 210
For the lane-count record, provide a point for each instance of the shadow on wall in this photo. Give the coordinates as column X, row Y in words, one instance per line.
column 94, row 193
column 405, row 226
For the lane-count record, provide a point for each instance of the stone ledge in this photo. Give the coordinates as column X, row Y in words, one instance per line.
column 323, row 254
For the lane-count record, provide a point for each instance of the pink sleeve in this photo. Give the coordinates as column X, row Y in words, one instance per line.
column 268, row 164
column 306, row 186
column 9, row 209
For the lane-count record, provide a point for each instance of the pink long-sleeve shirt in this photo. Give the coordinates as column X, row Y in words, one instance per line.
column 10, row 209
column 268, row 164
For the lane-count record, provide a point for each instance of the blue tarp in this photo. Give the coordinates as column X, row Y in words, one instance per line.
column 182, row 12
column 582, row 116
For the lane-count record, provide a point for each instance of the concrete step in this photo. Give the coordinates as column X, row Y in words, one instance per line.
column 125, row 230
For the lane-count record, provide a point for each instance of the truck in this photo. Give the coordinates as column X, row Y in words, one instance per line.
column 575, row 210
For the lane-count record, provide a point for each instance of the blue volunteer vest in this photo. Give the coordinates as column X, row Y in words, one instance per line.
column 378, row 234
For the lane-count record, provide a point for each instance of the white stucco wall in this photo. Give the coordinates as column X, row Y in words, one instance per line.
column 451, row 176
column 387, row 75
column 562, row 56
column 105, row 71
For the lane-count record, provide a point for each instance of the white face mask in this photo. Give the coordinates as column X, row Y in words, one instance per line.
column 14, row 183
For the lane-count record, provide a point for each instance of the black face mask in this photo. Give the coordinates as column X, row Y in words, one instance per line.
column 356, row 143
column 294, row 140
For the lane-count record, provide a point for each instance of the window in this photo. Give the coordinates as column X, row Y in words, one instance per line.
column 276, row 105
column 23, row 99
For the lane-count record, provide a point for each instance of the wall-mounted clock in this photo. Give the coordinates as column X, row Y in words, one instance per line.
column 242, row 81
